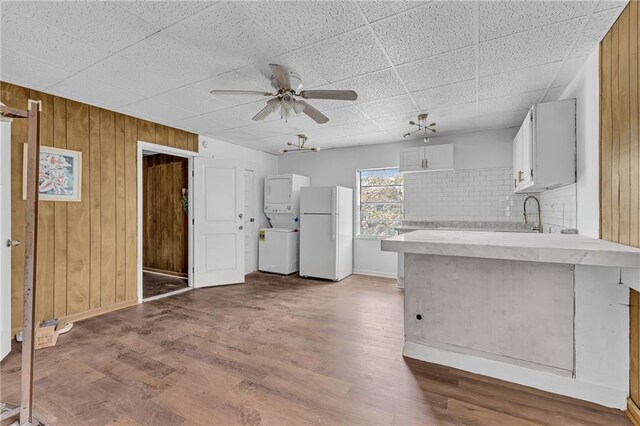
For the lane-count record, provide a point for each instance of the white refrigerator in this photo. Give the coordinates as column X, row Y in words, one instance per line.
column 326, row 232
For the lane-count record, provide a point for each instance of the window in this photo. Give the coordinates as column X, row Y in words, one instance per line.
column 381, row 199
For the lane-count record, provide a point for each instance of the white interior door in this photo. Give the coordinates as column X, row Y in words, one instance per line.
column 5, row 235
column 218, row 222
column 250, row 237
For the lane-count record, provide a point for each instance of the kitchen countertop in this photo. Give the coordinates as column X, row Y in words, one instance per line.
column 534, row 247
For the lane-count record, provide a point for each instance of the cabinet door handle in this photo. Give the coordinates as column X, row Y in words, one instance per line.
column 520, row 178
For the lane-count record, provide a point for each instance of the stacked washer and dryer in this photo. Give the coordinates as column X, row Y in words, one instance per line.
column 278, row 247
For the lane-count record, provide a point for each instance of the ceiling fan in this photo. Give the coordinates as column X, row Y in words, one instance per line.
column 422, row 118
column 288, row 84
column 299, row 147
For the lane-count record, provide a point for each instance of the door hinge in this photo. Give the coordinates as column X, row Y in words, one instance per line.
column 193, row 221
column 531, row 115
column 193, row 173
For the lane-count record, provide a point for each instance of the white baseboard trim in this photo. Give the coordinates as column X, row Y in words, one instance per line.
column 375, row 273
column 603, row 395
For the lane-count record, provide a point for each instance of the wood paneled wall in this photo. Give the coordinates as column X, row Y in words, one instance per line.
column 165, row 226
column 86, row 250
column 620, row 155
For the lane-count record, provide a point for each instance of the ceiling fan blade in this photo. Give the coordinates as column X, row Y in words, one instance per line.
column 298, row 106
column 272, row 105
column 241, row 92
column 339, row 95
column 314, row 114
column 281, row 74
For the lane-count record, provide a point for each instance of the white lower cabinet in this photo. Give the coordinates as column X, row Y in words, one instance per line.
column 427, row 158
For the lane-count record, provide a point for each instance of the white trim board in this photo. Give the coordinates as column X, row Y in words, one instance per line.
column 374, row 273
column 161, row 149
column 545, row 381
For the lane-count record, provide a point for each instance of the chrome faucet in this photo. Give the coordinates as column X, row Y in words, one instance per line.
column 537, row 228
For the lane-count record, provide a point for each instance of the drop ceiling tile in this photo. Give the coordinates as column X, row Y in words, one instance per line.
column 47, row 44
column 273, row 129
column 237, row 136
column 501, row 121
column 158, row 112
column 345, row 115
column 164, row 13
column 117, row 70
column 299, row 24
column 610, row 4
column 81, row 88
column 169, row 56
column 570, row 68
column 225, row 33
column 377, row 85
column 511, row 103
column 348, row 55
column 192, row 99
column 30, row 72
column 462, row 110
column 439, row 70
column 376, row 10
column 453, row 94
column 231, row 118
column 597, row 27
column 102, row 24
column 520, row 81
column 554, row 94
column 425, row 31
column 535, row 47
column 501, row 18
column 396, row 105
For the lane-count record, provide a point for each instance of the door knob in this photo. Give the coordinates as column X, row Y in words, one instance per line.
column 13, row 243
column 240, row 215
column 241, row 227
column 252, row 220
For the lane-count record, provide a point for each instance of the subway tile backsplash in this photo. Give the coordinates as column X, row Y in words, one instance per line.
column 469, row 195
column 559, row 207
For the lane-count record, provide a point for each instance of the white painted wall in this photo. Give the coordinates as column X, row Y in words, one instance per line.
column 261, row 163
column 585, row 88
column 476, row 150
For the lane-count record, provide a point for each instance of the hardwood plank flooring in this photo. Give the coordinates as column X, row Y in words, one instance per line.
column 274, row 351
column 156, row 284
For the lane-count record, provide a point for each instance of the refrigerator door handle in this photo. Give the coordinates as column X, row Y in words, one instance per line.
column 334, row 200
column 334, row 220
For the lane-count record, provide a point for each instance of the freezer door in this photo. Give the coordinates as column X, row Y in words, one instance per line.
column 318, row 246
column 318, row 199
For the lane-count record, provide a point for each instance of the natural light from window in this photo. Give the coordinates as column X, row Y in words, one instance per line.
column 381, row 200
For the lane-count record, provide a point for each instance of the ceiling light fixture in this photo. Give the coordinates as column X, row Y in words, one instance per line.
column 299, row 147
column 421, row 124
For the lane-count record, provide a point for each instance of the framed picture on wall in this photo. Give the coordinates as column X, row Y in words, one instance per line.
column 60, row 176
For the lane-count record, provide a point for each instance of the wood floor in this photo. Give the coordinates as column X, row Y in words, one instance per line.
column 278, row 351
column 155, row 284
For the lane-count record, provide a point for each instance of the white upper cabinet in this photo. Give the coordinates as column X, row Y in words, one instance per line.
column 427, row 158
column 544, row 149
column 412, row 159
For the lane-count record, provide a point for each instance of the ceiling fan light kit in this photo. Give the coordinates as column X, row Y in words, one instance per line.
column 288, row 85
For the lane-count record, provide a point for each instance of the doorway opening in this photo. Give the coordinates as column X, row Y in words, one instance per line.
column 164, row 221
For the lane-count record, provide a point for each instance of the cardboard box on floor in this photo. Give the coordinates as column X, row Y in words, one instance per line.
column 46, row 337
